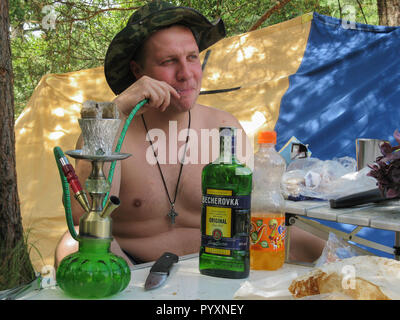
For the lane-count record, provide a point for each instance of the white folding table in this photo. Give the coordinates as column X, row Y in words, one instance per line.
column 185, row 282
column 384, row 215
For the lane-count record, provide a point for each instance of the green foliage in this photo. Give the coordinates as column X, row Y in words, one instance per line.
column 83, row 30
column 15, row 265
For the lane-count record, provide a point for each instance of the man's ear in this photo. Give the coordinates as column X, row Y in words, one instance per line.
column 136, row 69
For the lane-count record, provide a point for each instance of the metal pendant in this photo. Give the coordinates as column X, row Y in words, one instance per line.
column 172, row 214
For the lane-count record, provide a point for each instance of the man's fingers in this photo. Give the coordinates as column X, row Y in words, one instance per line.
column 158, row 98
column 158, row 93
column 174, row 92
column 162, row 95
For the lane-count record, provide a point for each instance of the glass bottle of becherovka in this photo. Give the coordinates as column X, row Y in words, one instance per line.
column 225, row 219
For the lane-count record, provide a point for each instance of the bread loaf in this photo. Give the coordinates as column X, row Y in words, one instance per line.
column 360, row 278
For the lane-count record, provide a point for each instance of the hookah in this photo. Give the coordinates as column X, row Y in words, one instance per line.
column 93, row 271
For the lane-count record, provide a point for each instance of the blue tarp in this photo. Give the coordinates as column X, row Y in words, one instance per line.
column 347, row 87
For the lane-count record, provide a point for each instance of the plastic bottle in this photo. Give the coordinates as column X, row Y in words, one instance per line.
column 267, row 233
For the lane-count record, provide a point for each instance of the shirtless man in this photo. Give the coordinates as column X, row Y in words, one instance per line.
column 166, row 71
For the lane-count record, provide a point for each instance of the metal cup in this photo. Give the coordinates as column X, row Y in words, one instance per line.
column 367, row 150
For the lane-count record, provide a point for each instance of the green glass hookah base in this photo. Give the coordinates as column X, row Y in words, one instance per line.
column 93, row 272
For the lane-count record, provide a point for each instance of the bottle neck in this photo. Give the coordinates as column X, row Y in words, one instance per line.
column 266, row 145
column 227, row 149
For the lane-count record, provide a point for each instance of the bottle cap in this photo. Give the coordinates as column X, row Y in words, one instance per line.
column 267, row 137
column 227, row 131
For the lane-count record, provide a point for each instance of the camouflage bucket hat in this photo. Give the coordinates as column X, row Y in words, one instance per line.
column 141, row 24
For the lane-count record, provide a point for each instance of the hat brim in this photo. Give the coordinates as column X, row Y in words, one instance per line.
column 122, row 48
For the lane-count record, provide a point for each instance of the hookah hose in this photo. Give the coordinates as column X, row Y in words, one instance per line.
column 120, row 140
column 58, row 154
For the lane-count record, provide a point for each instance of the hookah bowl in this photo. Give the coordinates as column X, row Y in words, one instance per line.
column 94, row 271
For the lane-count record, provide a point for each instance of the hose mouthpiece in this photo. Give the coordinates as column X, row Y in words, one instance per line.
column 112, row 203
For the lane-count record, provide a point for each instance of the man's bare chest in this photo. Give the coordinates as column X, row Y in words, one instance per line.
column 149, row 192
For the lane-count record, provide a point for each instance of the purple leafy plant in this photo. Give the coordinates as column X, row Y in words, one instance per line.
column 386, row 169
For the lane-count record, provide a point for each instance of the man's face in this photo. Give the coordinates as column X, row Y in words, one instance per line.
column 172, row 55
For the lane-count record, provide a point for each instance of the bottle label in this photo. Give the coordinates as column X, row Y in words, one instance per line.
column 268, row 234
column 221, row 208
column 224, row 198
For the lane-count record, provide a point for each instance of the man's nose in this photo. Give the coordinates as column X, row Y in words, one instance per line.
column 184, row 72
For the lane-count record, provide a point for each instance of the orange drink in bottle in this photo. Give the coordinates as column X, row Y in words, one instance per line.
column 267, row 230
column 267, row 240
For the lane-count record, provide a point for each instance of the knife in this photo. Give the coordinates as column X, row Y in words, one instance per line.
column 159, row 272
column 355, row 199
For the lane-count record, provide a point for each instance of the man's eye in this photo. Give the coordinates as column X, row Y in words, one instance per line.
column 168, row 61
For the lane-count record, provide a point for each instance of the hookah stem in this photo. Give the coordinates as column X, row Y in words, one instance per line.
column 120, row 141
column 66, row 195
column 58, row 154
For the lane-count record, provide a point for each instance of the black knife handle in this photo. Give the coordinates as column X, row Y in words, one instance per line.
column 164, row 263
column 373, row 195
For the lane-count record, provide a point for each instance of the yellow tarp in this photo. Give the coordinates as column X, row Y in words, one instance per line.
column 260, row 62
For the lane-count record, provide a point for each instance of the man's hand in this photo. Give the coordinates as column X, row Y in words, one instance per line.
column 158, row 94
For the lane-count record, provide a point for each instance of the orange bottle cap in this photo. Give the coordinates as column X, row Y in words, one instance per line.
column 267, row 137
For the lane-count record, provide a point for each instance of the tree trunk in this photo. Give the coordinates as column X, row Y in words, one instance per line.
column 15, row 265
column 389, row 12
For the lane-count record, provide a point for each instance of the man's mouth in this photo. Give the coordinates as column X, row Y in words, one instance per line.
column 184, row 91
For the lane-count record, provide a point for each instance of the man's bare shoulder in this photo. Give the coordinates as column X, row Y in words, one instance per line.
column 216, row 117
